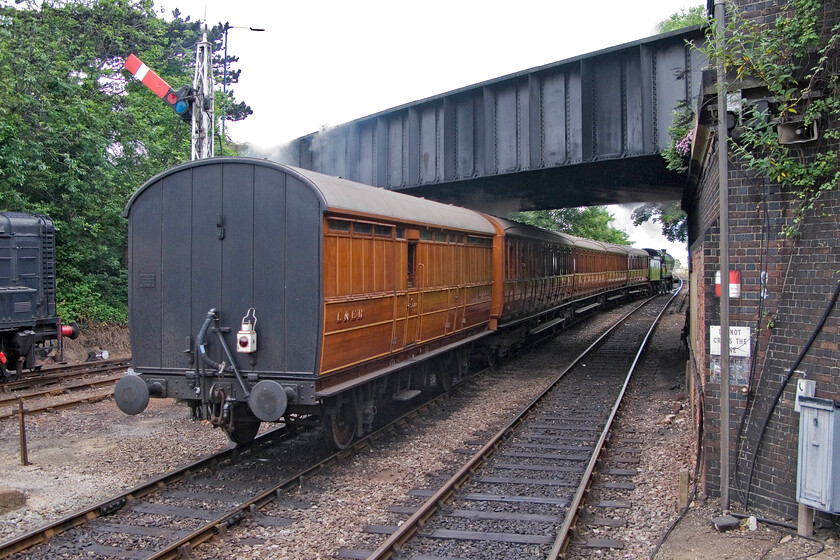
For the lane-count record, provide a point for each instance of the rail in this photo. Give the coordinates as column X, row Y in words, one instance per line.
column 183, row 545
column 562, row 541
column 420, row 518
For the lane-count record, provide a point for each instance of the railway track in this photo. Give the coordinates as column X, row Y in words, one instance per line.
column 49, row 391
column 510, row 497
column 61, row 373
column 169, row 516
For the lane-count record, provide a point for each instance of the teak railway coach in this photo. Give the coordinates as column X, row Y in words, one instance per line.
column 262, row 292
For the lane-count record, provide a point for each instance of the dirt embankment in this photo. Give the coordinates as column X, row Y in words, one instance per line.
column 112, row 338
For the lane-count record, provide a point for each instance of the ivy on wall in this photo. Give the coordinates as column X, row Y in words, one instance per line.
column 792, row 62
column 680, row 132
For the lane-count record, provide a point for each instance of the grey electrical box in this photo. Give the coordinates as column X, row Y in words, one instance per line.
column 818, row 469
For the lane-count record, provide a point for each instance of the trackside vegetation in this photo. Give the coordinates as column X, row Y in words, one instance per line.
column 78, row 135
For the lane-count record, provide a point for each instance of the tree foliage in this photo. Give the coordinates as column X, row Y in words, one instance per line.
column 684, row 18
column 78, row 135
column 669, row 214
column 591, row 222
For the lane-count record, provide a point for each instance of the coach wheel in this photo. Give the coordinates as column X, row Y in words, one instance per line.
column 243, row 426
column 491, row 355
column 420, row 377
column 444, row 378
column 462, row 355
column 340, row 427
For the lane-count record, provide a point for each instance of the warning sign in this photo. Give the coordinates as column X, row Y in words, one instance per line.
column 739, row 341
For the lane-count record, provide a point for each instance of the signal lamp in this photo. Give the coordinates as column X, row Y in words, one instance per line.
column 180, row 101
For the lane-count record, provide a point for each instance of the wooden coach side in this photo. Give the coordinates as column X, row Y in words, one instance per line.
column 628, row 266
column 534, row 270
column 590, row 272
column 538, row 275
column 638, row 267
column 391, row 287
column 617, row 266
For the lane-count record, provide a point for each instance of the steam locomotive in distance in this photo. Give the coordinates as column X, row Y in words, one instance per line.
column 29, row 326
column 260, row 292
column 661, row 268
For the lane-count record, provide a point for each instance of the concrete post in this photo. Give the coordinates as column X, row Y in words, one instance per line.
column 805, row 521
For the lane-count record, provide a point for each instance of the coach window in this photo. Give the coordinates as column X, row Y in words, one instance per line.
column 531, row 261
column 412, row 253
column 338, row 225
column 511, row 260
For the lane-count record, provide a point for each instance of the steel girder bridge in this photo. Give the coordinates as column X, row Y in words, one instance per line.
column 583, row 131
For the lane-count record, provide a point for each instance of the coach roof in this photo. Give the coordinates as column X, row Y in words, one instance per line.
column 341, row 195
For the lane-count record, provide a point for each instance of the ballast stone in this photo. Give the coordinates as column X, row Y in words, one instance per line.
column 11, row 499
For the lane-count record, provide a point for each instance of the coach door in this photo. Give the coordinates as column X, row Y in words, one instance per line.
column 458, row 295
column 457, row 309
column 413, row 299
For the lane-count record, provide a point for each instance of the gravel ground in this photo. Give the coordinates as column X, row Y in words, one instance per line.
column 84, row 455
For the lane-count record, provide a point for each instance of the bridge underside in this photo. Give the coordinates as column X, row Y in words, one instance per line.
column 579, row 132
column 618, row 181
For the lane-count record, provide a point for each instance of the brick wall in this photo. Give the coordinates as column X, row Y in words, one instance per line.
column 786, row 284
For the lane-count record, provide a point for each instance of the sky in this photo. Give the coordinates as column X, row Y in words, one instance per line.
column 326, row 62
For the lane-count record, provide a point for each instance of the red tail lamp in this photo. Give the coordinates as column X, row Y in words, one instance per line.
column 70, row 331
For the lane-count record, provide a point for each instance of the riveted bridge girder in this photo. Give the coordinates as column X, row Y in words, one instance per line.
column 583, row 131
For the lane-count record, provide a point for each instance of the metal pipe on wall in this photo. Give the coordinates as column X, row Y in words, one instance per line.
column 723, row 192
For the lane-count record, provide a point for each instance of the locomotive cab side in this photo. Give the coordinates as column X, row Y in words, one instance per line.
column 661, row 270
column 29, row 326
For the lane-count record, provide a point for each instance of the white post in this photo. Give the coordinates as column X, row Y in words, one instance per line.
column 203, row 107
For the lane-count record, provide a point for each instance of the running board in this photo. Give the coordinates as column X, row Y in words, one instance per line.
column 406, row 395
column 587, row 308
column 548, row 325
